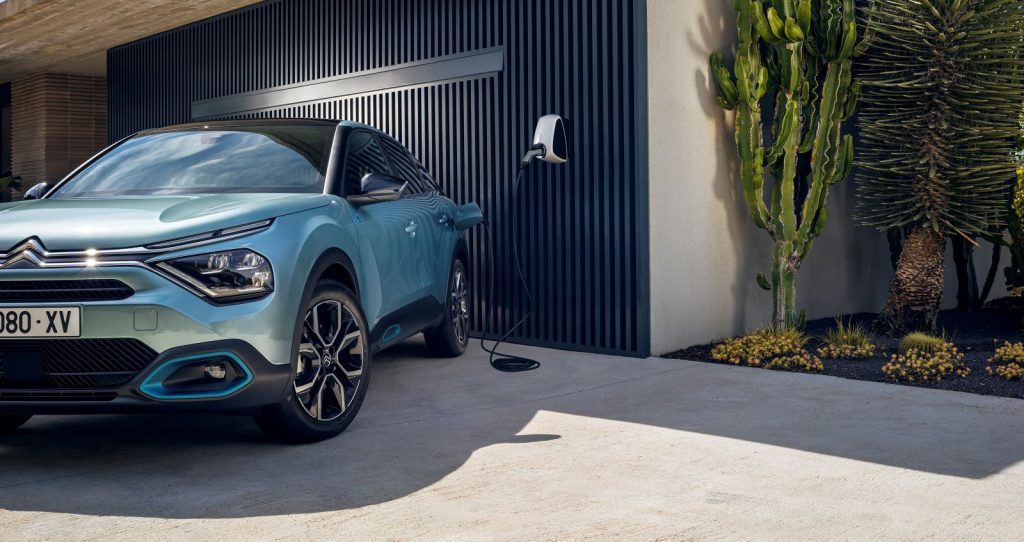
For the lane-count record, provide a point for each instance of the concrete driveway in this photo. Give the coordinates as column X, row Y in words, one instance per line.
column 586, row 447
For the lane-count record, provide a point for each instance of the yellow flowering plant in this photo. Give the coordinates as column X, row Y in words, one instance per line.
column 1008, row 362
column 933, row 365
column 781, row 349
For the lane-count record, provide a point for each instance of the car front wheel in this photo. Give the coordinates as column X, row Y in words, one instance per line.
column 330, row 370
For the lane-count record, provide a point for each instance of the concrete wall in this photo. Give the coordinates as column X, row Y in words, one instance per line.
column 705, row 251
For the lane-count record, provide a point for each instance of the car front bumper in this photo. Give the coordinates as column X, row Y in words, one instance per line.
column 265, row 384
column 160, row 324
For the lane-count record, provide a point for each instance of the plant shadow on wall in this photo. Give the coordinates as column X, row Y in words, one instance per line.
column 717, row 26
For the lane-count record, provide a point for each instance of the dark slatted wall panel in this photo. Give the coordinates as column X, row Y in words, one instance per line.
column 583, row 240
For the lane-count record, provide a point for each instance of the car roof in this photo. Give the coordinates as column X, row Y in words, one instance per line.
column 262, row 122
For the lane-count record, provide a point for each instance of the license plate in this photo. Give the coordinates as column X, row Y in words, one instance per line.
column 40, row 322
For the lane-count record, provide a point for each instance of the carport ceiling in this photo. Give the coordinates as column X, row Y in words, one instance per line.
column 72, row 36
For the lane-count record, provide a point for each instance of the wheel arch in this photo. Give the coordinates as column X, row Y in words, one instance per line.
column 334, row 264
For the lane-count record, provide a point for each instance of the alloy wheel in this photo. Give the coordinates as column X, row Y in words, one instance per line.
column 459, row 304
column 330, row 361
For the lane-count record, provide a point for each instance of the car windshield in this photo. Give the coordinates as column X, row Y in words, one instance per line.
column 214, row 160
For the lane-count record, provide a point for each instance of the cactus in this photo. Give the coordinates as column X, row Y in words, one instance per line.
column 797, row 56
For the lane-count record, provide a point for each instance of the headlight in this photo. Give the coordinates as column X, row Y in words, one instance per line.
column 224, row 275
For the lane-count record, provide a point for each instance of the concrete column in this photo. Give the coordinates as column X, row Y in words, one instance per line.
column 57, row 122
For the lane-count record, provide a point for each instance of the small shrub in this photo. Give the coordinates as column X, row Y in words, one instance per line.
column 847, row 341
column 922, row 342
column 1008, row 363
column 782, row 349
column 913, row 365
column 796, row 362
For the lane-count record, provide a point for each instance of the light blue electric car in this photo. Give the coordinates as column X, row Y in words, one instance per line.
column 248, row 267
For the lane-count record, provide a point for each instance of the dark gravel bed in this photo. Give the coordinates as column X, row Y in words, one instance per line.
column 977, row 334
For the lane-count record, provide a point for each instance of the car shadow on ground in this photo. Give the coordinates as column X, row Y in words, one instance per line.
column 425, row 418
column 191, row 466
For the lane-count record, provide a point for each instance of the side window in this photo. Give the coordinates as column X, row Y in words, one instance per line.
column 427, row 179
column 362, row 156
column 405, row 167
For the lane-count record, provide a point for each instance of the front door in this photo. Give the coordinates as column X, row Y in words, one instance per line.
column 433, row 213
column 388, row 233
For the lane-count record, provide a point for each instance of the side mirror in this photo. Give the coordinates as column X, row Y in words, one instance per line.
column 377, row 188
column 550, row 136
column 37, row 191
column 467, row 216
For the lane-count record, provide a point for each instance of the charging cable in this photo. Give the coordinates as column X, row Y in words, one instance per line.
column 500, row 361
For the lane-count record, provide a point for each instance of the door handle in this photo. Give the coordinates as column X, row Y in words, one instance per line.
column 411, row 228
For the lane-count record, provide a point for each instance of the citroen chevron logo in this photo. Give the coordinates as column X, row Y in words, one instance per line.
column 30, row 251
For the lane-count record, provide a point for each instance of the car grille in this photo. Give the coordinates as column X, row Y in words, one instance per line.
column 56, row 395
column 75, row 369
column 15, row 291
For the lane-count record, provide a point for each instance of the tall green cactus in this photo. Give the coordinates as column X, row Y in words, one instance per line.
column 796, row 55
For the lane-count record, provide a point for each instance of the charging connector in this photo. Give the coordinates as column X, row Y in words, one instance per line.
column 507, row 362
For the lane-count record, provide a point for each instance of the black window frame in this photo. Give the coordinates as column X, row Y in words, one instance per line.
column 421, row 183
column 343, row 187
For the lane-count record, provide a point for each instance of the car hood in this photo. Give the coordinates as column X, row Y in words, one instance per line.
column 123, row 222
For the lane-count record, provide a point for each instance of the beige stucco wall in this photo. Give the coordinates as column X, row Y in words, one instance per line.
column 705, row 252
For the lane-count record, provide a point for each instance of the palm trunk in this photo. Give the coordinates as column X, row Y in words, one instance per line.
column 916, row 292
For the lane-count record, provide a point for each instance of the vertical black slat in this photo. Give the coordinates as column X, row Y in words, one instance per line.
column 604, row 223
column 476, row 175
column 583, row 229
column 577, row 181
column 528, row 202
column 510, row 107
column 560, row 224
column 556, row 185
column 366, row 38
column 612, row 61
column 627, row 42
column 481, row 269
column 640, row 195
column 586, row 120
column 520, row 131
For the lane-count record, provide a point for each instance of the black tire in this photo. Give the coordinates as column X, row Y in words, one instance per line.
column 10, row 423
column 324, row 396
column 450, row 338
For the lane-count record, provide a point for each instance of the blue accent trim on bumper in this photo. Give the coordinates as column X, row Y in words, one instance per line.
column 391, row 333
column 153, row 386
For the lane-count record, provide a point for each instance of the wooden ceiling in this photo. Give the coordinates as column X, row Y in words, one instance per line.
column 72, row 36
